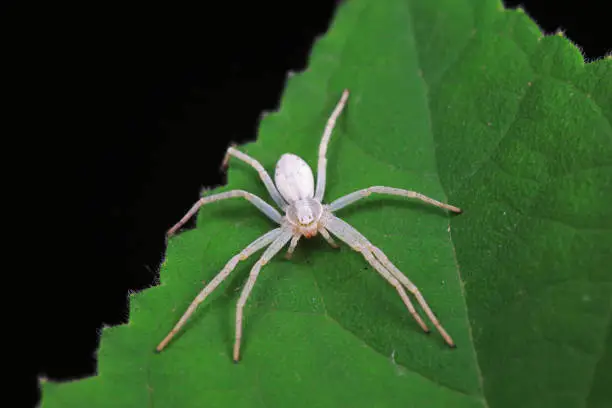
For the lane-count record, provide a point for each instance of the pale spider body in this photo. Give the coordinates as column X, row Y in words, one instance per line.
column 294, row 191
column 295, row 182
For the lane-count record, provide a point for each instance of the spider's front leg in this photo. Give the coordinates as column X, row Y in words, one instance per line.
column 359, row 194
column 322, row 163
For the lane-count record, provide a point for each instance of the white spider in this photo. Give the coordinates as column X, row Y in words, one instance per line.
column 305, row 215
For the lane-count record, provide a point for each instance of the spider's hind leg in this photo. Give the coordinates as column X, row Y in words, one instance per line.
column 415, row 292
column 390, row 272
column 280, row 241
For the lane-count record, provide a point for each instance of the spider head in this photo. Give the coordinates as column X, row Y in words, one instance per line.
column 305, row 214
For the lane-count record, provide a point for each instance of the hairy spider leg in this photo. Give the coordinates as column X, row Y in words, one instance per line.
column 263, row 174
column 322, row 163
column 264, row 207
column 359, row 194
column 272, row 250
column 328, row 238
column 292, row 245
column 253, row 247
column 357, row 241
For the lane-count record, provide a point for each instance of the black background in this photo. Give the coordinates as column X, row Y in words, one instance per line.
column 124, row 116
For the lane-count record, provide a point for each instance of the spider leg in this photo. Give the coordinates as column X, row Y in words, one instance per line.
column 328, row 238
column 292, row 245
column 322, row 164
column 272, row 250
column 264, row 207
column 265, row 177
column 255, row 246
column 348, row 236
column 414, row 290
column 360, row 243
column 359, row 194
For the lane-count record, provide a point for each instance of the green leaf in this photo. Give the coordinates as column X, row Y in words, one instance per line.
column 466, row 103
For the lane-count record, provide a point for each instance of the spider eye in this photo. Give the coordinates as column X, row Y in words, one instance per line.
column 305, row 212
column 305, row 215
column 306, row 219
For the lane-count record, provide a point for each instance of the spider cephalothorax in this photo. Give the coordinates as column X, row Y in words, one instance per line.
column 294, row 191
column 304, row 215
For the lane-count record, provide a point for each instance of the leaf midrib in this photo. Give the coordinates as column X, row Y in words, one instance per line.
column 450, row 237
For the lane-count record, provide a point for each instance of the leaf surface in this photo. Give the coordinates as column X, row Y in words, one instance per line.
column 468, row 104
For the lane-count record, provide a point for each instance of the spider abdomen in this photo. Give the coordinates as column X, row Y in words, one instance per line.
column 294, row 178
